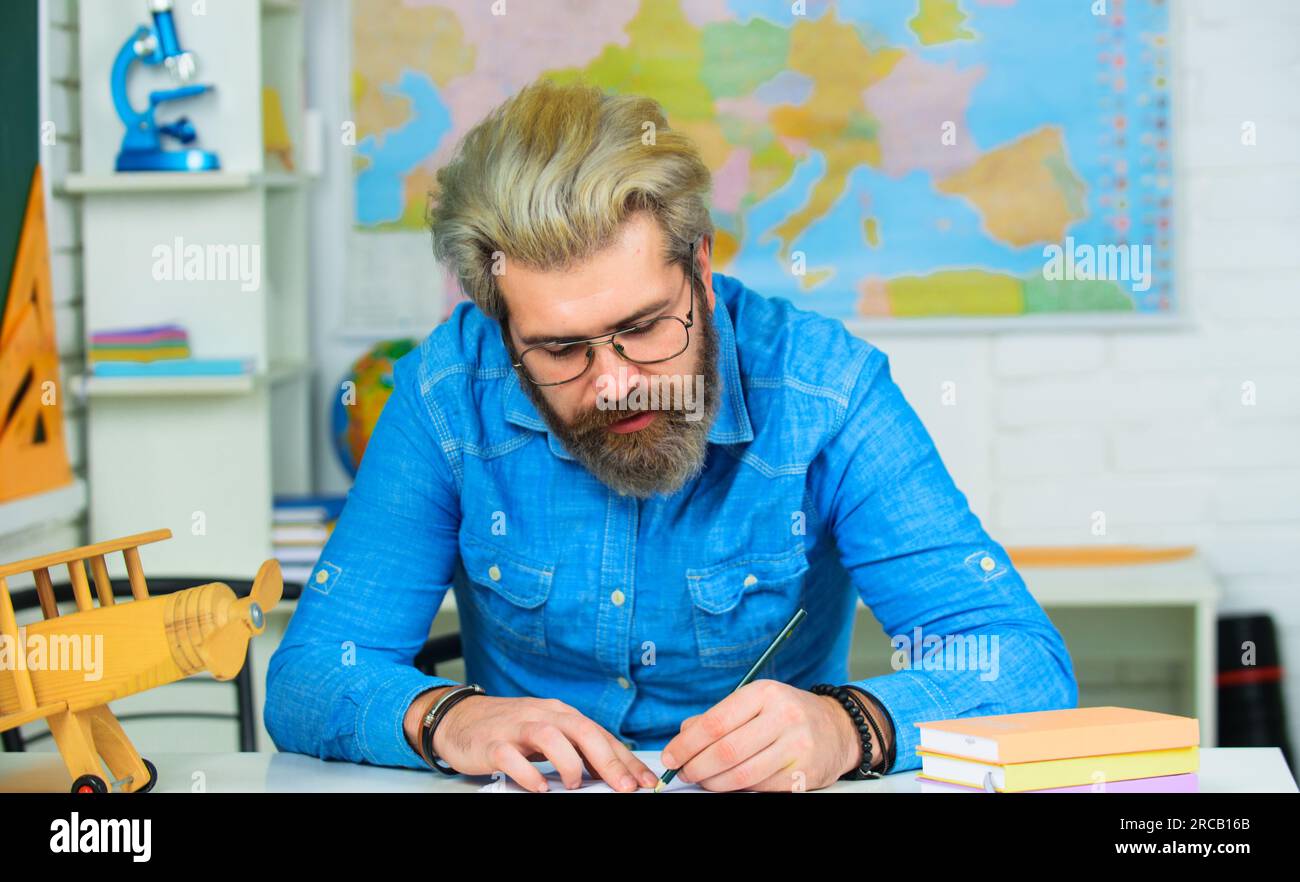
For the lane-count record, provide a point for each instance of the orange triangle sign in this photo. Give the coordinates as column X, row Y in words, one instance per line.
column 33, row 453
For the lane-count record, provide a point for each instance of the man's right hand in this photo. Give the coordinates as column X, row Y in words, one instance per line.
column 483, row 734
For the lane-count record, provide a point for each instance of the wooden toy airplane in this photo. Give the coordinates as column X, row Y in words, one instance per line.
column 149, row 642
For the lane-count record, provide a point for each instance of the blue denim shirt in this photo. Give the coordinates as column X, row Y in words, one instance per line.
column 821, row 486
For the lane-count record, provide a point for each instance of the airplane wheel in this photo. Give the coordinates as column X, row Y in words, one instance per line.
column 153, row 777
column 90, row 784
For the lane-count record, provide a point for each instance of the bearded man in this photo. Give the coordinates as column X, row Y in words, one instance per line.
column 632, row 471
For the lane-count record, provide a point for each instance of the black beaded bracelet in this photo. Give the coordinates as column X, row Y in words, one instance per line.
column 861, row 721
column 887, row 761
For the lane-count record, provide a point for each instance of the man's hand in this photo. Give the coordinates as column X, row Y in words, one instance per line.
column 483, row 734
column 761, row 736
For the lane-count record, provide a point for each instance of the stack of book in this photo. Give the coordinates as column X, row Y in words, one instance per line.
column 146, row 344
column 1078, row 750
column 300, row 526
column 155, row 351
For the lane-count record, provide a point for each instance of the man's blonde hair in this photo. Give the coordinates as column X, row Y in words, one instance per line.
column 549, row 176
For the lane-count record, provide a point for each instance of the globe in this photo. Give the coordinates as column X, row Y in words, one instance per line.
column 363, row 392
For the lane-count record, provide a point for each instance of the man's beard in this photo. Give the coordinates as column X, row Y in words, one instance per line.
column 658, row 458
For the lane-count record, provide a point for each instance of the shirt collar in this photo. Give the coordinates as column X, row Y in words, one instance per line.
column 731, row 426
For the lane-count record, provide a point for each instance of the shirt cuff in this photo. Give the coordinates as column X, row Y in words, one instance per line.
column 908, row 699
column 381, row 737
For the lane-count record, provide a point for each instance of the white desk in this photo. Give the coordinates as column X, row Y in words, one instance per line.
column 1223, row 770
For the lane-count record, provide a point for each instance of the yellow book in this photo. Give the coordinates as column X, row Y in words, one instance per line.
column 143, row 354
column 1071, row 772
column 1056, row 734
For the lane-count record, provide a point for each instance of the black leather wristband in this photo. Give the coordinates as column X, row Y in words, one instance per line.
column 434, row 716
column 893, row 731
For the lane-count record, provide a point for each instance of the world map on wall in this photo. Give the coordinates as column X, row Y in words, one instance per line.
column 871, row 159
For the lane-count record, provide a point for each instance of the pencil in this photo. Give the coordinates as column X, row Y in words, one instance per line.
column 670, row 774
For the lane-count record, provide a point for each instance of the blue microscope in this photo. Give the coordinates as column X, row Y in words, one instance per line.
column 142, row 148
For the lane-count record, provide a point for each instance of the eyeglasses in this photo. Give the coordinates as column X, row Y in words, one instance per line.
column 660, row 339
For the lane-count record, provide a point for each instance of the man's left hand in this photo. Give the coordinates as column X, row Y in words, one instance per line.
column 767, row 736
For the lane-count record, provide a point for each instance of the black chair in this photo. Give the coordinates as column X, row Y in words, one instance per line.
column 245, row 716
column 437, row 650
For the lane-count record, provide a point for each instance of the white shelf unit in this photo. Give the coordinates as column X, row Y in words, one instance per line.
column 202, row 456
column 42, row 509
column 1139, row 635
column 171, row 182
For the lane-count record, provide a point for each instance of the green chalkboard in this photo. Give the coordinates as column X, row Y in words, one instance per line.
column 20, row 133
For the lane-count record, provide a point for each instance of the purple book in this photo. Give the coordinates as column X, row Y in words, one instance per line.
column 1187, row 783
column 142, row 334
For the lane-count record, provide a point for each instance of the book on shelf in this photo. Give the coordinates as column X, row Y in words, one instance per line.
column 174, row 367
column 301, row 525
column 300, row 534
column 306, row 509
column 299, row 573
column 297, row 554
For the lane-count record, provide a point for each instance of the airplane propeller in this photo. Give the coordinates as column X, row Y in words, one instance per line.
column 224, row 649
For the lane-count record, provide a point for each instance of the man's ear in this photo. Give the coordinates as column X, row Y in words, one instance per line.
column 704, row 257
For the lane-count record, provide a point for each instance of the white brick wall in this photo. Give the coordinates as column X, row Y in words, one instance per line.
column 1149, row 427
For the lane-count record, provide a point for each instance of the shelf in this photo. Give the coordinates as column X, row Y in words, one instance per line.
column 27, row 512
column 235, row 384
column 256, row 425
column 103, row 387
column 171, row 182
column 1176, row 582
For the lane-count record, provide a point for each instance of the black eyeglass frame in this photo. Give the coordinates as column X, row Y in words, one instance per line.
column 687, row 323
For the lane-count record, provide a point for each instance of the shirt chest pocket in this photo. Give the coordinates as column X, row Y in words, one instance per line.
column 508, row 594
column 740, row 606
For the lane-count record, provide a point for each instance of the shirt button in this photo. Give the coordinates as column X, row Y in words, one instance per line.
column 751, row 580
column 622, row 681
column 987, row 564
column 617, row 597
column 322, row 576
column 494, row 573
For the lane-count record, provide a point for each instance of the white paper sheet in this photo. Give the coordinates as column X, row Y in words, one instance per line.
column 502, row 783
